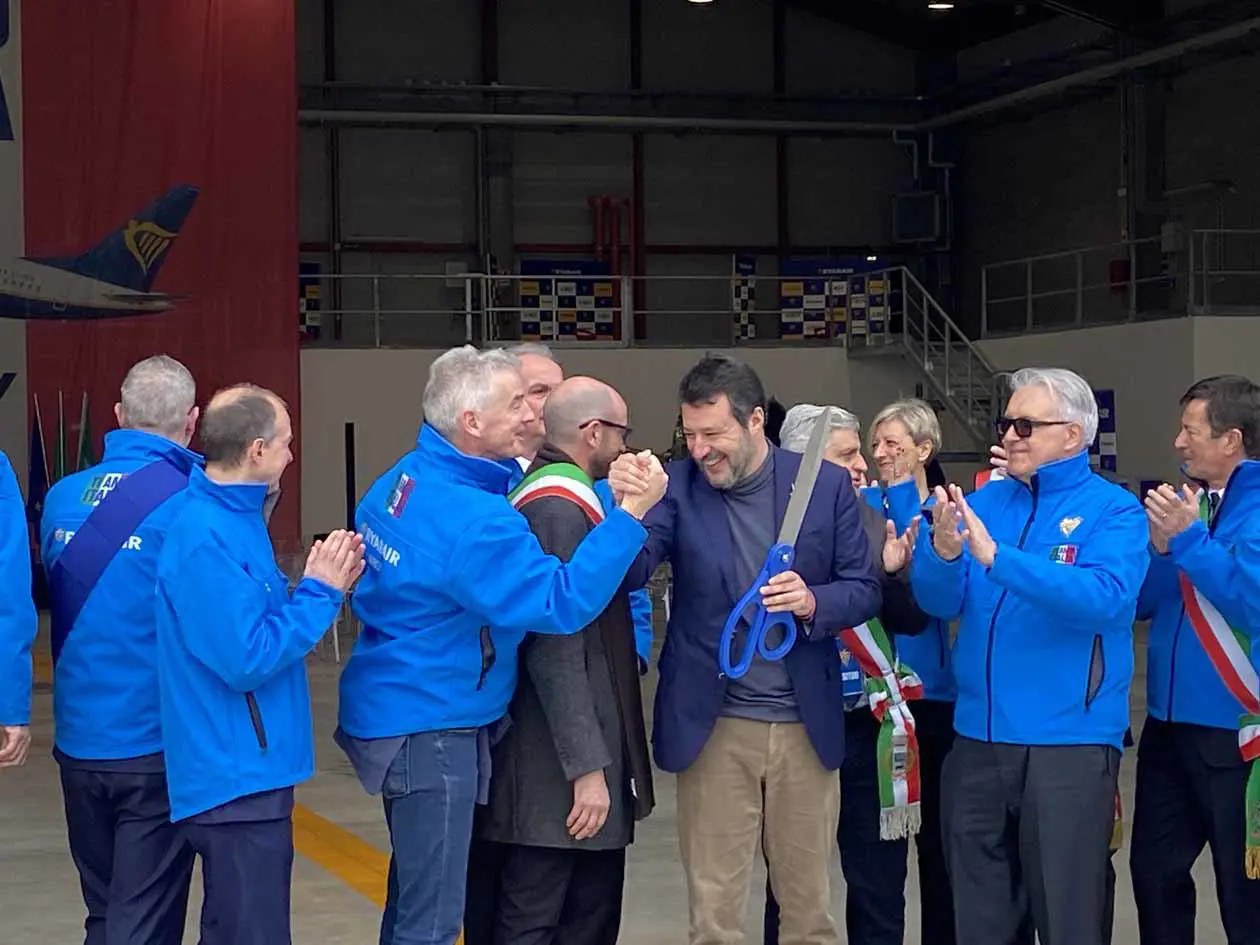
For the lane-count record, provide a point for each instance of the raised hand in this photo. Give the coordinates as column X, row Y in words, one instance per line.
column 337, row 560
column 997, row 457
column 947, row 535
column 899, row 551
column 1170, row 513
column 982, row 546
column 654, row 481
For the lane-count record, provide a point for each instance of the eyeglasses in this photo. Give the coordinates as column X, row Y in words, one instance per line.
column 1023, row 426
column 625, row 430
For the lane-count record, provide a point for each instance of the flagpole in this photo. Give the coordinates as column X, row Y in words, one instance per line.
column 83, row 432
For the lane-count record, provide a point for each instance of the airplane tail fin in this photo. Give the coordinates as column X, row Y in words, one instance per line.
column 132, row 255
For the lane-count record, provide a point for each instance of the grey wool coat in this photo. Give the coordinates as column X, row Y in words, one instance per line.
column 571, row 714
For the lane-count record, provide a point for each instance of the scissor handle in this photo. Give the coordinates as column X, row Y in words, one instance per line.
column 780, row 559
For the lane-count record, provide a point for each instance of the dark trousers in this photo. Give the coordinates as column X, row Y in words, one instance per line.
column 934, row 724
column 485, row 881
column 559, row 897
column 134, row 865
column 1028, row 826
column 874, row 869
column 1191, row 786
column 430, row 792
column 247, row 873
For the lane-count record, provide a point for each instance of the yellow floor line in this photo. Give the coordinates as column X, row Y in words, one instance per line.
column 358, row 864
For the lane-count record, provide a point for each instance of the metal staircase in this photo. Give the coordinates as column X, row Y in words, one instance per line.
column 952, row 367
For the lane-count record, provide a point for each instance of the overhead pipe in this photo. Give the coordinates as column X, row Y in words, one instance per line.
column 791, row 126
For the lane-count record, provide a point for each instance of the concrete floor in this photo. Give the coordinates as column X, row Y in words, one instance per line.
column 40, row 902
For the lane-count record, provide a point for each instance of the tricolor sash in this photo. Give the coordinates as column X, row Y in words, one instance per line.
column 890, row 686
column 101, row 536
column 560, row 479
column 1229, row 650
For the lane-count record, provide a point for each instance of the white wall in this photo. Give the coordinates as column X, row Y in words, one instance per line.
column 1148, row 365
column 379, row 391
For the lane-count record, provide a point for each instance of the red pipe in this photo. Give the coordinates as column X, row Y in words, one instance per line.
column 615, row 207
column 614, row 228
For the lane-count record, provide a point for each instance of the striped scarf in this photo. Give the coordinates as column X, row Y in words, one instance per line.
column 890, row 685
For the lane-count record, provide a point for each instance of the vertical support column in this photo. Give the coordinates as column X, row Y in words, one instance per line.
column 495, row 224
column 332, row 152
column 1146, row 180
column 783, row 194
column 638, row 237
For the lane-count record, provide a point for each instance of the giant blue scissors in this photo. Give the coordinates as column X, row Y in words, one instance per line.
column 782, row 556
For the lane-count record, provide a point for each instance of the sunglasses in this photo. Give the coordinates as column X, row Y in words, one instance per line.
column 1023, row 426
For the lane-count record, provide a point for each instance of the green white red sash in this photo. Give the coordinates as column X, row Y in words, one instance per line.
column 560, row 479
column 1229, row 650
column 890, row 686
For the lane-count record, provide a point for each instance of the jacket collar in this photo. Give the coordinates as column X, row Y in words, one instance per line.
column 437, row 452
column 235, row 497
column 1063, row 475
column 147, row 447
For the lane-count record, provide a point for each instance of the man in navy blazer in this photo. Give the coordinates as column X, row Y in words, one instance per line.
column 756, row 757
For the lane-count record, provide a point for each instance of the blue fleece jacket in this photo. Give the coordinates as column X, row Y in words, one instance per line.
column 928, row 653
column 1181, row 683
column 1044, row 652
column 18, row 620
column 105, row 691
column 455, row 579
column 236, row 710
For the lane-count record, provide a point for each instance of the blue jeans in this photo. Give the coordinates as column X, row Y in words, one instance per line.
column 430, row 792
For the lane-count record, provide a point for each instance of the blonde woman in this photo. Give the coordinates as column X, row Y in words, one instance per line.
column 904, row 439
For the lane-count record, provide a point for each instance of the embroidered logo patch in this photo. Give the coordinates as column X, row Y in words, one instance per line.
column 1068, row 525
column 1063, row 554
column 398, row 498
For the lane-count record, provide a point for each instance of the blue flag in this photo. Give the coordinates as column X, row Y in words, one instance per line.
column 37, row 478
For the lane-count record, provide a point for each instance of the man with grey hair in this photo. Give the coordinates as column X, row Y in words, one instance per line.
column 108, row 742
column 455, row 581
column 235, row 707
column 542, row 374
column 1043, row 569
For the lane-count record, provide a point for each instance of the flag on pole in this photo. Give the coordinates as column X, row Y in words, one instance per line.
column 37, row 471
column 83, row 456
column 59, row 450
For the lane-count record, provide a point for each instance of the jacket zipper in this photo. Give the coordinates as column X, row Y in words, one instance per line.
column 256, row 720
column 988, row 661
column 940, row 641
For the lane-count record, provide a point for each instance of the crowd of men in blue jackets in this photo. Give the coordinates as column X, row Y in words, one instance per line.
column 962, row 659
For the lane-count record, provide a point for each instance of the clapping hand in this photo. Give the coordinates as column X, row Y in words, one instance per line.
column 337, row 560
column 981, row 545
column 1170, row 513
column 899, row 551
column 947, row 533
column 900, row 471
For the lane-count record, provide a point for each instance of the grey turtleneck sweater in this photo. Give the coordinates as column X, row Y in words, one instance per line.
column 765, row 694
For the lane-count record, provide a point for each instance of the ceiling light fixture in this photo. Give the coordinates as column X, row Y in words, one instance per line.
column 940, row 5
column 701, row 1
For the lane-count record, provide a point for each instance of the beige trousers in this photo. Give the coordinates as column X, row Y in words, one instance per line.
column 750, row 776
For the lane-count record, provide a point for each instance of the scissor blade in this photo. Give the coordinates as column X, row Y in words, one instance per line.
column 806, row 476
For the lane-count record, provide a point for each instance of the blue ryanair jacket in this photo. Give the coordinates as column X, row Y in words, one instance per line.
column 1044, row 652
column 455, row 580
column 236, row 709
column 929, row 653
column 18, row 620
column 105, row 691
column 1181, row 683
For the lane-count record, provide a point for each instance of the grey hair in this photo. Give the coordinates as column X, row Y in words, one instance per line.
column 1071, row 393
column 235, row 418
column 460, row 380
column 157, row 395
column 536, row 348
column 799, row 424
column 919, row 419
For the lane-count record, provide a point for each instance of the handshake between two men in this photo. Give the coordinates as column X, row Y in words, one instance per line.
column 638, row 482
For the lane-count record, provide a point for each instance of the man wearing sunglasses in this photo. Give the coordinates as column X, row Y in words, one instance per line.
column 1043, row 570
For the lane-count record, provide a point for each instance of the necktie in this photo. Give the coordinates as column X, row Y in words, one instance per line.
column 1214, row 503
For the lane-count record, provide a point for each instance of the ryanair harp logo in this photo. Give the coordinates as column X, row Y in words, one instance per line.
column 1069, row 525
column 146, row 242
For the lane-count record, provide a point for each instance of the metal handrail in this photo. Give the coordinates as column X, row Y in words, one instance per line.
column 944, row 316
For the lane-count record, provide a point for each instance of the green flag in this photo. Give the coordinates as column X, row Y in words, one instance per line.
column 85, row 458
column 59, row 453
